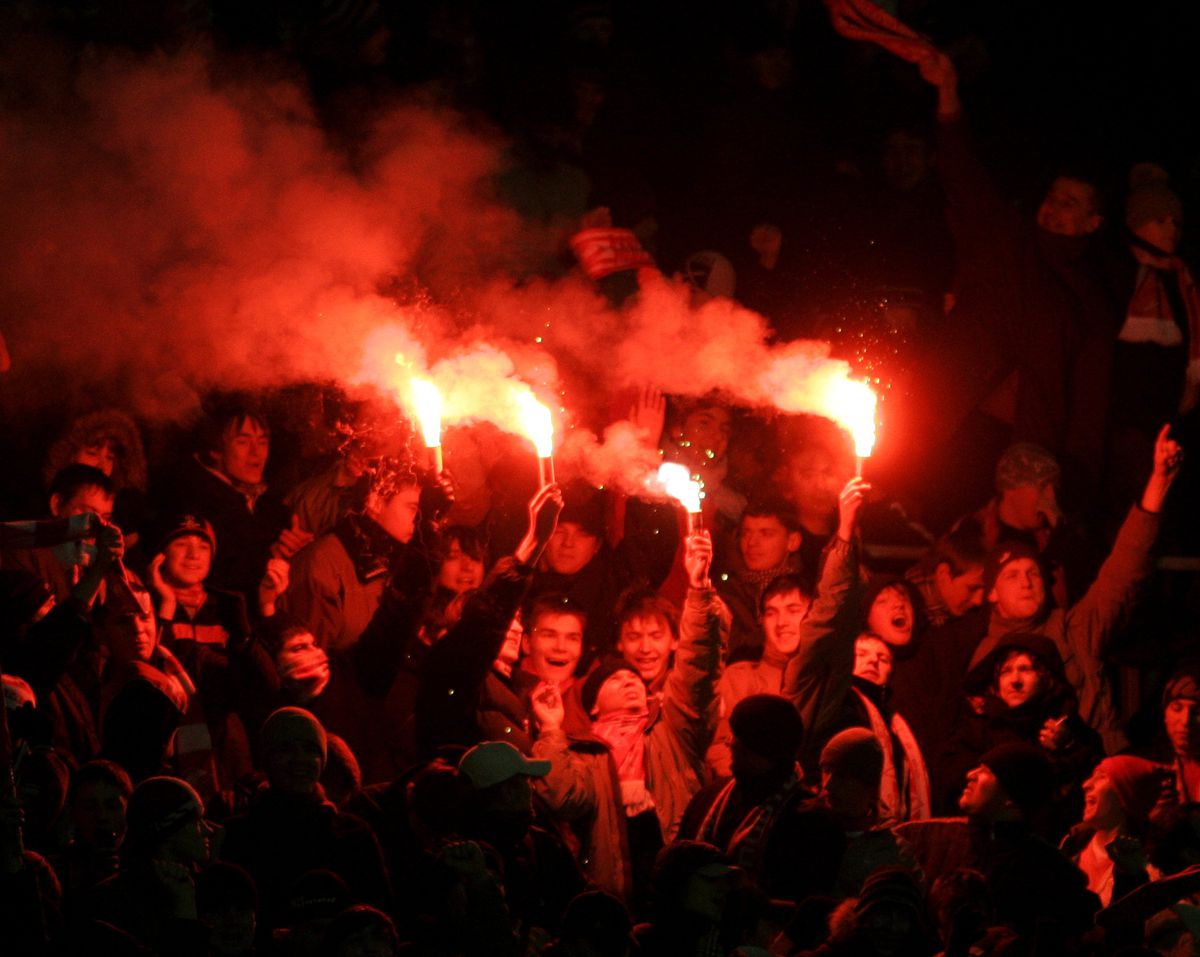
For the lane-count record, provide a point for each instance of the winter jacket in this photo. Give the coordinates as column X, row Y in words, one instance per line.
column 582, row 785
column 328, row 596
column 460, row 698
column 1082, row 632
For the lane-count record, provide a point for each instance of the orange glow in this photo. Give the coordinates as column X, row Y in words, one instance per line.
column 853, row 408
column 535, row 421
column 427, row 401
column 678, row 483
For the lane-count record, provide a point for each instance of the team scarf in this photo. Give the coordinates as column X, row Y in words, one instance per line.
column 901, row 797
column 625, row 735
column 748, row 845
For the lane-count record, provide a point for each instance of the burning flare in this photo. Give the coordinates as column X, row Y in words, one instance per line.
column 427, row 401
column 853, row 408
column 536, row 422
column 680, row 485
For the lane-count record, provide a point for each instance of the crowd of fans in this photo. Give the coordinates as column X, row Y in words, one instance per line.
column 262, row 697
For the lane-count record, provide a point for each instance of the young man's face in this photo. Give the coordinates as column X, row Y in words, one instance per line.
column 906, row 160
column 554, row 646
column 188, row 560
column 89, row 498
column 243, row 450
column 190, row 843
column 100, row 456
column 647, row 643
column 1181, row 718
column 781, row 619
column 959, row 593
column 1026, row 506
column 811, row 481
column 707, row 431
column 303, row 664
column 510, row 651
column 131, row 636
column 98, row 815
column 1101, row 804
column 1070, row 208
column 1019, row 590
column 983, row 796
column 398, row 515
column 1018, row 679
column 891, row 616
column 765, row 542
column 293, row 765
column 623, row 691
column 872, row 660
column 570, row 548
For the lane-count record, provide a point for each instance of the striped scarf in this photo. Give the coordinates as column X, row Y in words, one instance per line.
column 747, row 847
column 901, row 797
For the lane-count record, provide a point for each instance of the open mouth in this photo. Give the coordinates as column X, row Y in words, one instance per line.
column 900, row 622
column 559, row 662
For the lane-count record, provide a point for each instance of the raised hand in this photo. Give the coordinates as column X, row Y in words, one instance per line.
column 291, row 540
column 548, row 708
column 649, row 413
column 544, row 509
column 274, row 583
column 1168, row 459
column 849, row 502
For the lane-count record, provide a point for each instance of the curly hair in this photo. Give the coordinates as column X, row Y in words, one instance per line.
column 104, row 426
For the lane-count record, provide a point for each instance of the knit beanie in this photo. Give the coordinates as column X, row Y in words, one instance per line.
column 1183, row 683
column 1000, row 556
column 605, row 669
column 190, row 525
column 157, row 806
column 289, row 724
column 1025, row 464
column 1137, row 781
column 767, row 724
column 1150, row 197
column 1023, row 771
column 855, row 753
column 891, row 885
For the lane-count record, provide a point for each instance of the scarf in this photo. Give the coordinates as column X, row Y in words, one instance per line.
column 625, row 735
column 748, row 844
column 370, row 548
column 901, row 797
column 250, row 492
column 1165, row 304
column 191, row 598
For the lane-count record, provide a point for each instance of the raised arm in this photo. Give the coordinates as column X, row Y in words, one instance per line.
column 818, row 677
column 690, row 700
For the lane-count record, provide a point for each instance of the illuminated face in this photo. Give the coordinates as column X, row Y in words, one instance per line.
column 647, row 644
column 983, row 795
column 812, row 480
column 510, row 651
column 188, row 559
column 1161, row 233
column 398, row 515
column 765, row 542
column 1019, row 590
column 90, row 498
column 301, row 661
column 781, row 620
column 1018, row 679
column 959, row 593
column 554, row 646
column 623, row 691
column 1101, row 804
column 101, row 456
column 1181, row 718
column 460, row 572
column 872, row 660
column 570, row 548
column 1070, row 208
column 891, row 616
column 1024, row 506
column 707, row 432
column 243, row 450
